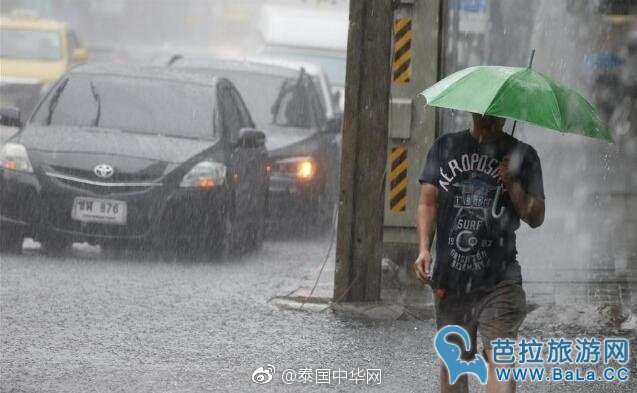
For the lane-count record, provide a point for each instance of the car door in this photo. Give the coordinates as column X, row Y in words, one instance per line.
column 317, row 109
column 329, row 149
column 238, row 162
column 231, row 127
column 254, row 165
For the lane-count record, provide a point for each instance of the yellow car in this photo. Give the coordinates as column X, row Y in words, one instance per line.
column 34, row 53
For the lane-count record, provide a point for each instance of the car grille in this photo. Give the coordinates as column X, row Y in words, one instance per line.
column 89, row 175
column 101, row 187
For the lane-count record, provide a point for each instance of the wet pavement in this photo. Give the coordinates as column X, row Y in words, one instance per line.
column 90, row 323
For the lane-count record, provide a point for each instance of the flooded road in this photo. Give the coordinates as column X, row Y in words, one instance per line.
column 86, row 323
column 89, row 323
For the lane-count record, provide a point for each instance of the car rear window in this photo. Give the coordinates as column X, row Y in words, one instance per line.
column 142, row 105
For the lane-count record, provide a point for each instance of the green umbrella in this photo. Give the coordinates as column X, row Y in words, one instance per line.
column 519, row 94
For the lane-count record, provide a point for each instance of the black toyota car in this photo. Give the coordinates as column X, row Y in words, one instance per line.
column 119, row 155
column 302, row 141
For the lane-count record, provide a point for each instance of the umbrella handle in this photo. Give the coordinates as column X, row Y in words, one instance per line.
column 496, row 199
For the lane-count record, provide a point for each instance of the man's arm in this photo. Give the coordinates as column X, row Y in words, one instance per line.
column 426, row 221
column 529, row 208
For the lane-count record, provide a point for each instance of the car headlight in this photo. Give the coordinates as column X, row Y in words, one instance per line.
column 14, row 157
column 206, row 174
column 302, row 168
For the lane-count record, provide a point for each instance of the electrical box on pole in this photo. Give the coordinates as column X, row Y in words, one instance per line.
column 416, row 43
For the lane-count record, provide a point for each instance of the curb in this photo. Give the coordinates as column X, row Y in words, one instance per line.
column 380, row 311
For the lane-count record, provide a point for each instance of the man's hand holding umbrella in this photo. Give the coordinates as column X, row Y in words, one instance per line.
column 530, row 209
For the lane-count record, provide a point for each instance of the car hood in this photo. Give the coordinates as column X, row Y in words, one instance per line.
column 77, row 151
column 72, row 140
column 282, row 141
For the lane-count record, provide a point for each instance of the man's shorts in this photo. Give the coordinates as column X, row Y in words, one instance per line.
column 496, row 313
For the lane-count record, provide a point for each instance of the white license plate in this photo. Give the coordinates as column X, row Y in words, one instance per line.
column 105, row 211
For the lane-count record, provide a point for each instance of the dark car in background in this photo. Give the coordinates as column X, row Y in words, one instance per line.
column 302, row 141
column 119, row 155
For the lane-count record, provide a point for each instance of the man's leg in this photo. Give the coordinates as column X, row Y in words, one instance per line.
column 461, row 385
column 452, row 310
column 500, row 315
column 493, row 385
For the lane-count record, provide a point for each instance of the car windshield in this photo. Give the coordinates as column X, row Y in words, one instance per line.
column 142, row 105
column 258, row 90
column 333, row 64
column 30, row 44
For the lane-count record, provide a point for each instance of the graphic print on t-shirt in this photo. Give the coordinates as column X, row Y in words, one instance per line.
column 473, row 201
column 475, row 217
column 473, row 184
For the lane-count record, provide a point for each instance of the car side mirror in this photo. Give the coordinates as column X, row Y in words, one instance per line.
column 79, row 55
column 334, row 124
column 251, row 138
column 10, row 116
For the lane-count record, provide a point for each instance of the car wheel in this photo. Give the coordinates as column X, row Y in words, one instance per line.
column 123, row 249
column 228, row 240
column 10, row 240
column 113, row 249
column 326, row 213
column 257, row 229
column 321, row 216
column 56, row 246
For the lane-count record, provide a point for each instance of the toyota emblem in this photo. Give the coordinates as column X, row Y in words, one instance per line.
column 104, row 171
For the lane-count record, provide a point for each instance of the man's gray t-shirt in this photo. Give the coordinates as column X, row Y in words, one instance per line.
column 476, row 221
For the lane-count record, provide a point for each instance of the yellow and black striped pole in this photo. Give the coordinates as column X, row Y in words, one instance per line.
column 398, row 179
column 402, row 50
column 401, row 74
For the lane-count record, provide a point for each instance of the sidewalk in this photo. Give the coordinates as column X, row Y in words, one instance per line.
column 315, row 292
column 580, row 296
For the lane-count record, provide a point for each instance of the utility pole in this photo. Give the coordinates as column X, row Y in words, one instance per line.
column 364, row 152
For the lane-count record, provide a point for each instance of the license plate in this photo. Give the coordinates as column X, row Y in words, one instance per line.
column 106, row 211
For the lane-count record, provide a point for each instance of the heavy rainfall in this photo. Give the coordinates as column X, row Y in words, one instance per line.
column 172, row 214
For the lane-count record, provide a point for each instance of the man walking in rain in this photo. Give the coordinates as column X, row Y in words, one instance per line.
column 476, row 186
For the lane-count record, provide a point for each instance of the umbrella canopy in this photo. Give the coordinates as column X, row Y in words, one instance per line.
column 519, row 94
